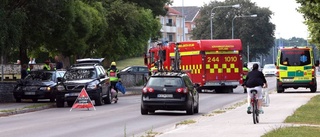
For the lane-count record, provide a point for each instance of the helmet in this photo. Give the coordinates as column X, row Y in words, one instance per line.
column 245, row 64
column 113, row 63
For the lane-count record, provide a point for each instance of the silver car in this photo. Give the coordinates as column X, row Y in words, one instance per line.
column 269, row 70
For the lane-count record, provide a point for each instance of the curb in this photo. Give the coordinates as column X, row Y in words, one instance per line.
column 29, row 108
column 25, row 110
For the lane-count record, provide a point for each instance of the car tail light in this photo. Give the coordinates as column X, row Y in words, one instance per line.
column 182, row 90
column 147, row 90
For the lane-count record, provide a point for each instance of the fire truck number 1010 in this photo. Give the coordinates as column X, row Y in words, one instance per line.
column 226, row 59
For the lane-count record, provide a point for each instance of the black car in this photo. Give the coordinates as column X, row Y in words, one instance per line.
column 88, row 74
column 39, row 84
column 169, row 91
column 135, row 70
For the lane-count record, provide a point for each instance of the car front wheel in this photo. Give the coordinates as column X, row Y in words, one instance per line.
column 59, row 103
column 107, row 100
column 98, row 99
column 18, row 100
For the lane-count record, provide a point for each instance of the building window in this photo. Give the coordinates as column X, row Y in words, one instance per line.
column 169, row 22
column 170, row 37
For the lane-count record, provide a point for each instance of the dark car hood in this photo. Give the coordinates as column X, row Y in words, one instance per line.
column 82, row 81
column 36, row 83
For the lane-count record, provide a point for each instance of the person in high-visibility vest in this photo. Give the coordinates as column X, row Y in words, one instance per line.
column 153, row 69
column 245, row 70
column 114, row 75
column 47, row 65
column 30, row 68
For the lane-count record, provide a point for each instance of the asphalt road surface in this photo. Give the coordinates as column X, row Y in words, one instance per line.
column 114, row 120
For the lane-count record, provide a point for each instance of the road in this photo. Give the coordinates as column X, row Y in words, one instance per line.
column 115, row 120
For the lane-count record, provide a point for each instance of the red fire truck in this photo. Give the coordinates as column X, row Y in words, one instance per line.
column 213, row 64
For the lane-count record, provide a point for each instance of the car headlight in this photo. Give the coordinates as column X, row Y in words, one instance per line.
column 93, row 85
column 60, row 88
column 45, row 88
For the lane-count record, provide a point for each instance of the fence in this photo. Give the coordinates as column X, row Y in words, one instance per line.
column 12, row 71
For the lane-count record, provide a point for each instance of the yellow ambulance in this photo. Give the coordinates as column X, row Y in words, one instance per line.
column 296, row 68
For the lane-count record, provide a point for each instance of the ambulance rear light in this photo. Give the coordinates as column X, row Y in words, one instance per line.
column 313, row 71
column 277, row 74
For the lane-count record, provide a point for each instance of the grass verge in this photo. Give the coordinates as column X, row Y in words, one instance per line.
column 130, row 62
column 186, row 122
column 308, row 114
column 301, row 131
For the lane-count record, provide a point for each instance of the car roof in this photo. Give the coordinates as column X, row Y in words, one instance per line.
column 169, row 74
column 269, row 65
column 135, row 66
column 83, row 67
column 90, row 60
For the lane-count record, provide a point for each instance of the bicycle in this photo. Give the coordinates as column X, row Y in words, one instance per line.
column 254, row 104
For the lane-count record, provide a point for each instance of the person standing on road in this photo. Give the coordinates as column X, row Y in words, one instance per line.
column 245, row 70
column 59, row 64
column 255, row 80
column 24, row 71
column 47, row 65
column 114, row 75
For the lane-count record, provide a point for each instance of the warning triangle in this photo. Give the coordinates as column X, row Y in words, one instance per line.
column 83, row 101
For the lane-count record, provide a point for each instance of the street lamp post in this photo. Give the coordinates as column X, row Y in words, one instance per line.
column 233, row 6
column 242, row 16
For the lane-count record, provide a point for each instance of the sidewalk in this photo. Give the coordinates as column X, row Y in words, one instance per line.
column 7, row 109
column 237, row 122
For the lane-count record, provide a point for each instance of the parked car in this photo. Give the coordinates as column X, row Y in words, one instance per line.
column 135, row 70
column 250, row 64
column 269, row 70
column 169, row 91
column 88, row 74
column 39, row 84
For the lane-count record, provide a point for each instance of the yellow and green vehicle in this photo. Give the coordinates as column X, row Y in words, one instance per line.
column 296, row 68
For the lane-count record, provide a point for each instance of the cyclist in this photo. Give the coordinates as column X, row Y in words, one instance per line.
column 255, row 80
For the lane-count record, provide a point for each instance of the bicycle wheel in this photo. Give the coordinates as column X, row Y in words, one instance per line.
column 254, row 110
column 257, row 111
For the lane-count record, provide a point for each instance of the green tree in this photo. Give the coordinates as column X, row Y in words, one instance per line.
column 156, row 6
column 257, row 32
column 311, row 12
column 131, row 28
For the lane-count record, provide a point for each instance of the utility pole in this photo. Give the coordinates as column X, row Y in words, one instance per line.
column 183, row 22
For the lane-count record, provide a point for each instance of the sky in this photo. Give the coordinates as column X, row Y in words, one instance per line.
column 288, row 21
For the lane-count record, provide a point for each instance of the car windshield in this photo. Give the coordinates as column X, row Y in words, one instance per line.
column 165, row 82
column 40, row 75
column 296, row 57
column 126, row 69
column 74, row 74
column 269, row 67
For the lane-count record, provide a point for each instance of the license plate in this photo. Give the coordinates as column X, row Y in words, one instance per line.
column 29, row 93
column 165, row 95
column 71, row 94
column 288, row 80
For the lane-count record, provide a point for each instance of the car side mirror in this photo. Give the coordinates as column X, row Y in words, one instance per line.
column 145, row 59
column 102, row 76
column 196, row 85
